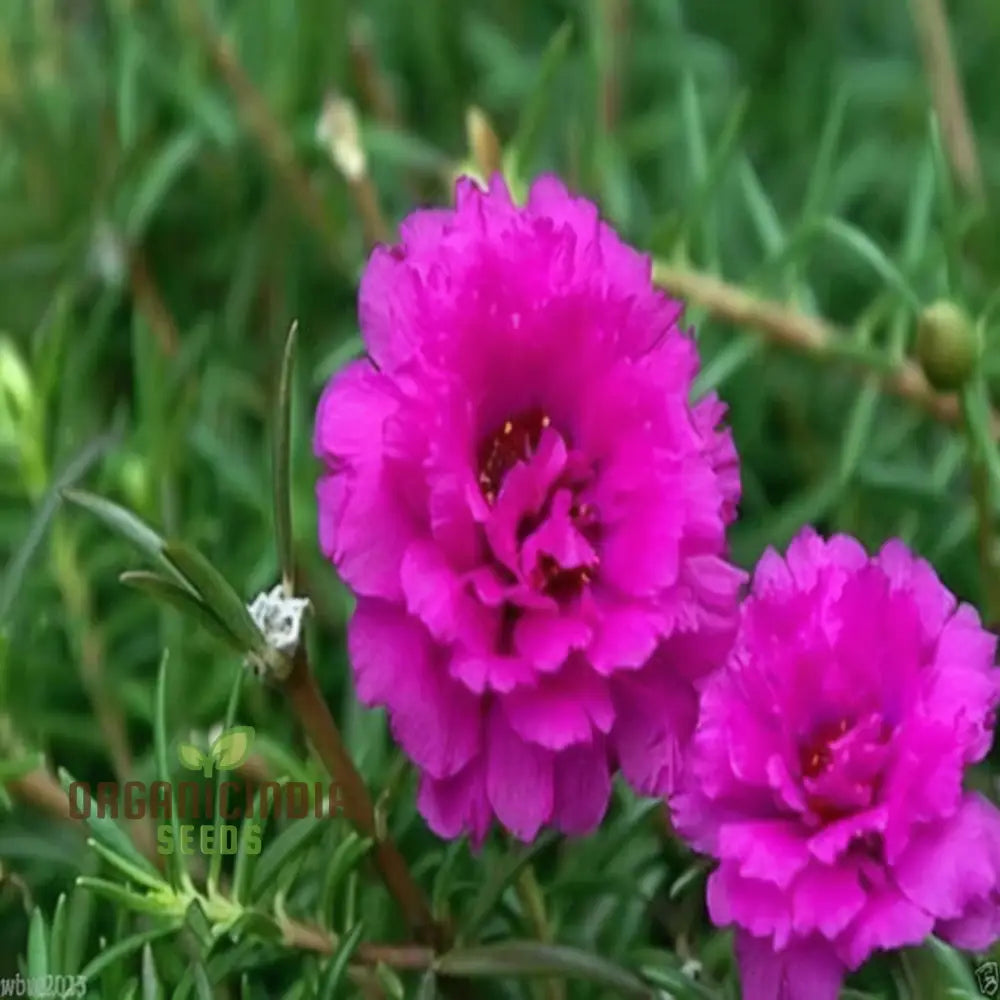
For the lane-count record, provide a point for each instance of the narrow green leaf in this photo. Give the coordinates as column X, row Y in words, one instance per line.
column 216, row 593
column 195, row 978
column 215, row 863
column 57, row 939
column 953, row 968
column 389, row 981
column 246, row 858
column 181, row 599
column 120, row 520
column 289, row 844
column 428, row 987
column 714, row 169
column 502, row 876
column 257, row 926
column 121, row 896
column 857, row 434
column 770, row 231
column 346, row 855
column 920, row 214
column 975, row 408
column 151, row 988
column 690, row 875
column 38, row 945
column 333, row 975
column 862, row 245
column 198, row 924
column 696, row 141
column 127, row 867
column 171, row 162
column 282, row 464
column 677, row 983
column 534, row 110
column 947, row 205
column 13, row 574
column 178, row 869
column 106, row 830
column 822, row 170
column 532, row 958
column 79, row 917
column 129, row 64
column 202, row 984
column 726, row 363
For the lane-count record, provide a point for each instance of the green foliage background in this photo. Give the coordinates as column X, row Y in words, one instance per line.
column 157, row 237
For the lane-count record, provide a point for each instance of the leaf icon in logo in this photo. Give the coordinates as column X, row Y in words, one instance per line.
column 191, row 757
column 232, row 747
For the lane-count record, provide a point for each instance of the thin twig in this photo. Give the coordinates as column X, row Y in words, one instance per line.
column 614, row 16
column 42, row 790
column 272, row 137
column 150, row 303
column 398, row 956
column 809, row 334
column 372, row 82
column 947, row 94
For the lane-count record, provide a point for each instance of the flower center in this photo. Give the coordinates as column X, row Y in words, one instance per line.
column 815, row 755
column 841, row 764
column 560, row 583
column 515, row 441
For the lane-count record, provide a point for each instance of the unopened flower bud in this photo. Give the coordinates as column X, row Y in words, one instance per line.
column 339, row 132
column 947, row 345
column 484, row 146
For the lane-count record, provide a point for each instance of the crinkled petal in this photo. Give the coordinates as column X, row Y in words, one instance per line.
column 807, row 970
column 396, row 664
column 582, row 787
column 519, row 779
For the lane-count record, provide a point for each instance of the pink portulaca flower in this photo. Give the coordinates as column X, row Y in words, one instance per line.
column 826, row 772
column 529, row 509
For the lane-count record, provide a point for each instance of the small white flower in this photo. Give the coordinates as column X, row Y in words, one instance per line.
column 279, row 617
column 691, row 968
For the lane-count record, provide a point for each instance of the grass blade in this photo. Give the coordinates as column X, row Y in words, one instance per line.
column 282, row 465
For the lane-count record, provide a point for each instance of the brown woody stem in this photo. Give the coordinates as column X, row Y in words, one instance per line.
column 309, row 706
column 783, row 325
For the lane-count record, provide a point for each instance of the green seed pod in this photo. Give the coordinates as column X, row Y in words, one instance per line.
column 948, row 345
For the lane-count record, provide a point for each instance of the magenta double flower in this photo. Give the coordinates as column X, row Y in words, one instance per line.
column 532, row 514
column 826, row 772
column 530, row 511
